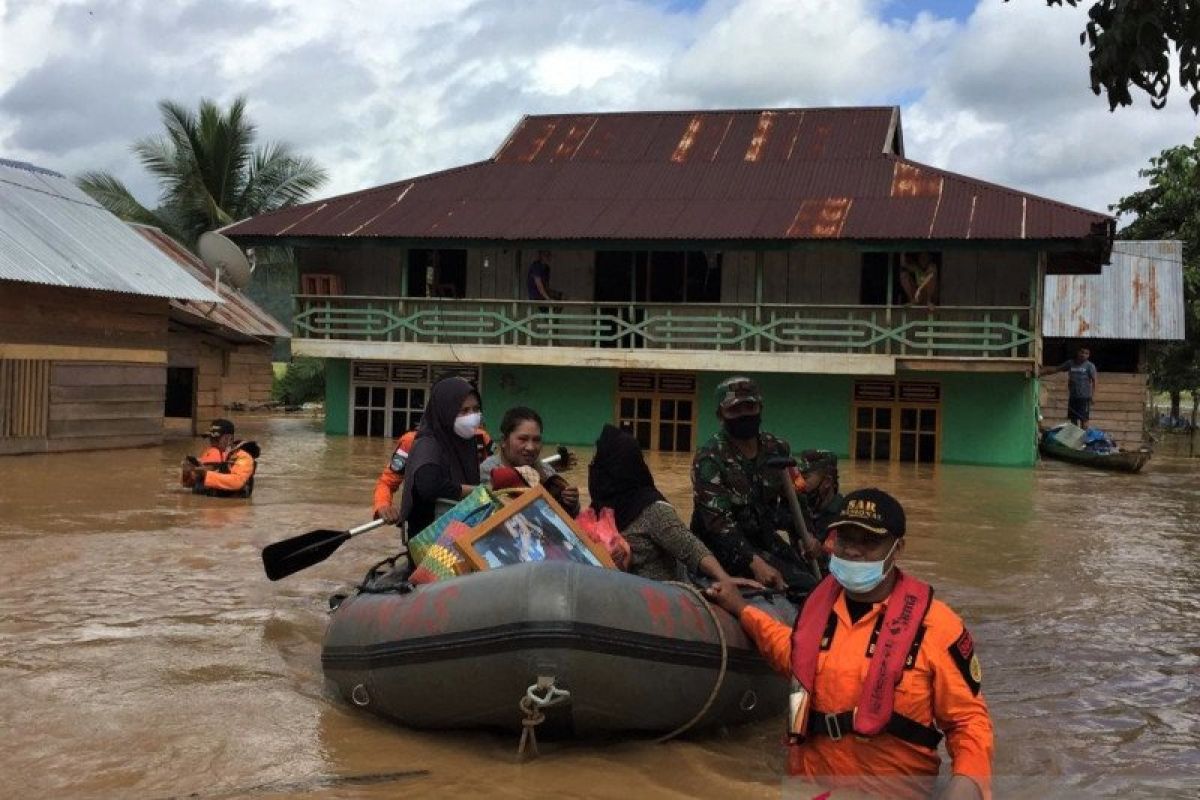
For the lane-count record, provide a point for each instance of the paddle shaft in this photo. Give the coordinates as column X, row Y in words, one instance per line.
column 810, row 542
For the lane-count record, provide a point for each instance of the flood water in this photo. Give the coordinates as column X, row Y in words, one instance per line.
column 144, row 655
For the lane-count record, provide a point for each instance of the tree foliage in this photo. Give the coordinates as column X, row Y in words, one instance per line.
column 1130, row 42
column 209, row 172
column 304, row 381
column 1169, row 208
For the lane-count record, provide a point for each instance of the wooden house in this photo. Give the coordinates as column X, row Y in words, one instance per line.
column 218, row 354
column 1136, row 300
column 84, row 309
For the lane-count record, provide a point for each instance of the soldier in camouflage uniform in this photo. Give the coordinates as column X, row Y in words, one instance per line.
column 821, row 495
column 738, row 502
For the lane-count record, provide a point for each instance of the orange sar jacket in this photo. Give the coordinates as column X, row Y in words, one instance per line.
column 240, row 465
column 942, row 687
column 392, row 477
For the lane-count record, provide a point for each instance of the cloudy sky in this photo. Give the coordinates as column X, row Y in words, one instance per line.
column 378, row 91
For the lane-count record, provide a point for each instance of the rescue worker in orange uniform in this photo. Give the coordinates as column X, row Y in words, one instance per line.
column 880, row 670
column 392, row 477
column 226, row 468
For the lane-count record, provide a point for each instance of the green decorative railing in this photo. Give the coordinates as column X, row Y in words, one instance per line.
column 976, row 332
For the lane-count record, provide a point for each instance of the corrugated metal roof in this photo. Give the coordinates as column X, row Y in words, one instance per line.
column 237, row 314
column 1137, row 296
column 714, row 175
column 52, row 233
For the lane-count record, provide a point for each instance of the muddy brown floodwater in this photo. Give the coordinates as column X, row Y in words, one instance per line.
column 144, row 655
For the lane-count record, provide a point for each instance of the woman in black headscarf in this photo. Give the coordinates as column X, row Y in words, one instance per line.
column 443, row 462
column 660, row 545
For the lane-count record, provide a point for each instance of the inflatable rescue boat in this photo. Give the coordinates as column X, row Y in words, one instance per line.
column 596, row 651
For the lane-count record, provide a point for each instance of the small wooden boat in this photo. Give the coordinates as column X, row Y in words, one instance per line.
column 1120, row 461
column 624, row 653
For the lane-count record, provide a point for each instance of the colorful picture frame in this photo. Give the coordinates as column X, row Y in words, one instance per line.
column 531, row 527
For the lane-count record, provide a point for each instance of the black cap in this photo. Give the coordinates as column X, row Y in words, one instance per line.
column 220, row 427
column 817, row 459
column 872, row 510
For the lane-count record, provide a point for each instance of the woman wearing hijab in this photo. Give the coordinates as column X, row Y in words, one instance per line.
column 443, row 462
column 660, row 544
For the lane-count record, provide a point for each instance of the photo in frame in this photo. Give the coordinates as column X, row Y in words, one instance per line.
column 531, row 527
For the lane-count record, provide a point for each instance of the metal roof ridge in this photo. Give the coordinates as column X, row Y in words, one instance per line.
column 694, row 111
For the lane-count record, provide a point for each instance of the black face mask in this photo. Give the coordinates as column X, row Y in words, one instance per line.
column 743, row 427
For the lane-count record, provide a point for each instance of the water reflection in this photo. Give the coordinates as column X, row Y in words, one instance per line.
column 143, row 654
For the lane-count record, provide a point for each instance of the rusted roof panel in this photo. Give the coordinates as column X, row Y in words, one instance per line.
column 774, row 175
column 53, row 233
column 236, row 313
column 1137, row 296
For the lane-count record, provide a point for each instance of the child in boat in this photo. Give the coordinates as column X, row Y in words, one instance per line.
column 661, row 546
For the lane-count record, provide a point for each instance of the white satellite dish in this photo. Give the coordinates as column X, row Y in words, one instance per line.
column 226, row 259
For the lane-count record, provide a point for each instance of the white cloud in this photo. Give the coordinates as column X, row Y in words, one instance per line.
column 380, row 91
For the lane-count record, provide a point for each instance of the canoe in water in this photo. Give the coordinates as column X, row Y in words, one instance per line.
column 1122, row 461
column 634, row 654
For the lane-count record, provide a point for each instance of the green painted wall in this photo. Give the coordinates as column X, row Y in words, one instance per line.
column 988, row 419
column 337, row 396
column 809, row 411
column 574, row 403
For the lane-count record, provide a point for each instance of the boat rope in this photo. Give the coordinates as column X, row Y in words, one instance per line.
column 531, row 706
column 716, row 690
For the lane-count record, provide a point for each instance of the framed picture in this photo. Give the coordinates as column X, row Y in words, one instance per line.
column 532, row 527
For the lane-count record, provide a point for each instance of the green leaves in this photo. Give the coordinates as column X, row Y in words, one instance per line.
column 1169, row 208
column 1130, row 42
column 209, row 172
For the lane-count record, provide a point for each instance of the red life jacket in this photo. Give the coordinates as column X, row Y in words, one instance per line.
column 907, row 605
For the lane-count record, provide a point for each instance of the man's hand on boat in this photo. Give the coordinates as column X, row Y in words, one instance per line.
column 767, row 575
column 570, row 496
column 727, row 595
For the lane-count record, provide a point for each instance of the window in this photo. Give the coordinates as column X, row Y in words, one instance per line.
column 389, row 398
column 659, row 409
column 437, row 273
column 896, row 420
column 370, row 410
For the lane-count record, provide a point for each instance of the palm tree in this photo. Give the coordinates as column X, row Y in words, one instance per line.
column 209, row 173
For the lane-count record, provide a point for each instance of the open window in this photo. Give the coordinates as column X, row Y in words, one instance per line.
column 436, row 273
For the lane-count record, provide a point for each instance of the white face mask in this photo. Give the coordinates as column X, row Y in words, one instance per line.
column 465, row 425
column 861, row 577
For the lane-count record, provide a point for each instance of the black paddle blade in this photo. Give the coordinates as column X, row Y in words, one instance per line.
column 289, row 556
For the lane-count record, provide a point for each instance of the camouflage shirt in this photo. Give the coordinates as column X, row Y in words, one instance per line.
column 739, row 503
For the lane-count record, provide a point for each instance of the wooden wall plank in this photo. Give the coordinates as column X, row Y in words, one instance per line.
column 89, row 428
column 78, row 394
column 116, row 374
column 105, row 410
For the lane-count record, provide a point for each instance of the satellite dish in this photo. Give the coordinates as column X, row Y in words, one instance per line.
column 225, row 258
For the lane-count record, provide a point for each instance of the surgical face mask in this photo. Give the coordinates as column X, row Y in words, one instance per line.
column 860, row 577
column 465, row 425
column 744, row 427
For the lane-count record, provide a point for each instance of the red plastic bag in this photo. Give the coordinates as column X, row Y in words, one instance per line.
column 603, row 530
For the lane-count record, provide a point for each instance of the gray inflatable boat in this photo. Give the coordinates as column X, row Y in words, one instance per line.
column 613, row 652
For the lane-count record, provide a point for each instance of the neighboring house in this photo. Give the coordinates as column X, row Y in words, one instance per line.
column 84, row 303
column 690, row 246
column 218, row 354
column 1135, row 300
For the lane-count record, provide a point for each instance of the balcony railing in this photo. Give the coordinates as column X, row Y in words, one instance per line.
column 945, row 331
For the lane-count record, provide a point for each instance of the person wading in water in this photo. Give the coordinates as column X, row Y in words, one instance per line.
column 880, row 670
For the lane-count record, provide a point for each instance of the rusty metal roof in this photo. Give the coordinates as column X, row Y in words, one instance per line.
column 52, row 233
column 1137, row 296
column 789, row 174
column 237, row 316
